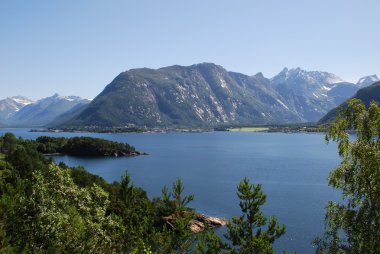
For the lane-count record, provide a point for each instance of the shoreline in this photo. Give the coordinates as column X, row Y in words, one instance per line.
column 262, row 129
column 271, row 129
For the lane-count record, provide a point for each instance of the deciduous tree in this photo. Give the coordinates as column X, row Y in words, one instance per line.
column 353, row 225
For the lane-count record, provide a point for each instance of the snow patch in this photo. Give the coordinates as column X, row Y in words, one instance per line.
column 21, row 100
column 223, row 83
column 326, row 88
column 282, row 104
column 368, row 80
column 199, row 112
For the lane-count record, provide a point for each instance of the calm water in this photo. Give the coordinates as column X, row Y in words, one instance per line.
column 291, row 167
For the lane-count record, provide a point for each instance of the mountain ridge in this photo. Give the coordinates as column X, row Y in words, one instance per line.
column 11, row 105
column 366, row 95
column 43, row 111
column 199, row 95
column 206, row 94
column 195, row 95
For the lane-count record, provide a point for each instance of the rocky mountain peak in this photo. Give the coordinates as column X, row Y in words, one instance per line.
column 22, row 100
column 11, row 105
column 367, row 80
column 259, row 75
column 301, row 76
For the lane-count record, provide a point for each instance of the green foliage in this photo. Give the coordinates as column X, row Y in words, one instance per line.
column 87, row 146
column 42, row 210
column 84, row 179
column 136, row 212
column 172, row 208
column 82, row 146
column 25, row 159
column 354, row 225
column 246, row 231
column 8, row 142
column 49, row 208
column 64, row 208
column 207, row 242
column 180, row 202
column 50, row 144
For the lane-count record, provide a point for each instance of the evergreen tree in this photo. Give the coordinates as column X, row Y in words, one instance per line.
column 246, row 231
column 173, row 209
column 137, row 215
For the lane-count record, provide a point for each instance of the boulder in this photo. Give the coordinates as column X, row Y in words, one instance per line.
column 211, row 221
column 199, row 222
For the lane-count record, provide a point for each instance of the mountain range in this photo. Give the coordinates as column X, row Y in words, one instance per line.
column 208, row 95
column 200, row 95
column 22, row 112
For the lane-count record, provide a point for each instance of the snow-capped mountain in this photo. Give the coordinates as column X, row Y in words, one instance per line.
column 367, row 80
column 44, row 111
column 198, row 95
column 306, row 92
column 313, row 93
column 21, row 101
column 11, row 105
column 300, row 77
column 207, row 95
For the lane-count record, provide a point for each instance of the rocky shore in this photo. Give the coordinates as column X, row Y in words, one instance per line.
column 200, row 222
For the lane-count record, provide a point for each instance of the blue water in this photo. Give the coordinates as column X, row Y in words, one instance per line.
column 291, row 167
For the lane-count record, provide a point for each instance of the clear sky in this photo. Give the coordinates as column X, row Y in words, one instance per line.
column 77, row 47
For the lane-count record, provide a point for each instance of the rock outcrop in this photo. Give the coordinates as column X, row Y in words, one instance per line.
column 200, row 222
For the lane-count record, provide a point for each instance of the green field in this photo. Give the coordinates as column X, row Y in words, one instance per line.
column 249, row 129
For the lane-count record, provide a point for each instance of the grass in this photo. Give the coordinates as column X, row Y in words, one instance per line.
column 2, row 156
column 249, row 129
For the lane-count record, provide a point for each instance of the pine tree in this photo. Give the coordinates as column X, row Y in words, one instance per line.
column 246, row 232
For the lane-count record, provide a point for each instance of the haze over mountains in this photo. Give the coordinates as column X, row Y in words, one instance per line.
column 366, row 95
column 200, row 95
column 21, row 112
column 11, row 105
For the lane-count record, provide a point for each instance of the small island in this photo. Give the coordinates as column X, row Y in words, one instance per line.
column 84, row 146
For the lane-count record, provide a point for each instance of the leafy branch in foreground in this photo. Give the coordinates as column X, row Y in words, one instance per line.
column 354, row 225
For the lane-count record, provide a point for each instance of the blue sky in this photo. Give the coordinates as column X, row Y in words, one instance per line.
column 77, row 47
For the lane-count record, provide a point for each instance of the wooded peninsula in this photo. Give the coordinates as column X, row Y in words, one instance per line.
column 82, row 146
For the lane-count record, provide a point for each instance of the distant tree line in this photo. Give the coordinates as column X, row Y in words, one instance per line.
column 82, row 146
column 103, row 129
column 287, row 128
